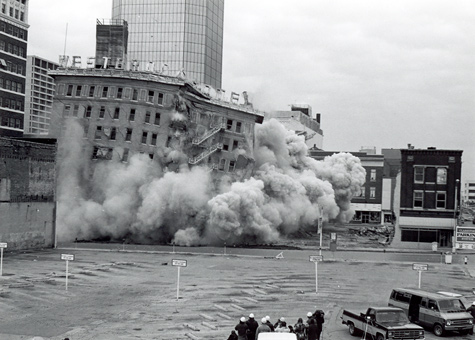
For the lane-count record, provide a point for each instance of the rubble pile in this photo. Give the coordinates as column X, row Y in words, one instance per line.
column 381, row 233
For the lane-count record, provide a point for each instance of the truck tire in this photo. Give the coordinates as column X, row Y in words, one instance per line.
column 352, row 329
column 379, row 336
column 438, row 329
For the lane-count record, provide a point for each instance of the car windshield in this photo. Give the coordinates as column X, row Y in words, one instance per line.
column 393, row 317
column 453, row 305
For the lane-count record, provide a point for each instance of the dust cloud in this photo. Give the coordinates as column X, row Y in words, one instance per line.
column 142, row 201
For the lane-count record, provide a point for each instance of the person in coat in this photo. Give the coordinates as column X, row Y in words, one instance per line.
column 312, row 331
column 271, row 326
column 252, row 325
column 471, row 310
column 233, row 336
column 241, row 329
column 263, row 328
column 299, row 329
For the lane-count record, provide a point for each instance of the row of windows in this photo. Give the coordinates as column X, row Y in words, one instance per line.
column 150, row 96
column 12, row 67
column 87, row 112
column 13, row 12
column 12, row 49
column 12, row 104
column 43, row 84
column 429, row 199
column 11, row 85
column 12, row 122
column 430, row 175
column 13, row 30
column 372, row 192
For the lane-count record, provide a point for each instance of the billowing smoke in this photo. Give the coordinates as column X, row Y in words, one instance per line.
column 141, row 201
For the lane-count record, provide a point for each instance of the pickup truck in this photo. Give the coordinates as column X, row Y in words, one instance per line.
column 382, row 323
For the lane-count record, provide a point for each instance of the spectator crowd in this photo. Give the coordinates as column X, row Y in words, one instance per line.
column 250, row 329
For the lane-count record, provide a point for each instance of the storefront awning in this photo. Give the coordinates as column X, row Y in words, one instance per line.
column 426, row 227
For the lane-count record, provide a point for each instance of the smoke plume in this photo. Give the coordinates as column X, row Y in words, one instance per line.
column 142, row 201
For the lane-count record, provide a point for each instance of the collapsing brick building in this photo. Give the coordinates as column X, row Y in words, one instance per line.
column 27, row 193
column 172, row 120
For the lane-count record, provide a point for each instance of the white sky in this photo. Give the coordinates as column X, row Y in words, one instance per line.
column 381, row 73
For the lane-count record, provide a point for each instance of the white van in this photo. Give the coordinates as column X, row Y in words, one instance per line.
column 439, row 312
column 276, row 336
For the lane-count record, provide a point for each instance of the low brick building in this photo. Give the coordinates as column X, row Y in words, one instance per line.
column 27, row 193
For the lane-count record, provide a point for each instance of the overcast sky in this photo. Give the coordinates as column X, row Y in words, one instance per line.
column 381, row 73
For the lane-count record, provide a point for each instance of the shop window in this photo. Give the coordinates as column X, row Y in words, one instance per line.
column 419, row 174
column 441, row 198
column 418, row 199
column 441, row 176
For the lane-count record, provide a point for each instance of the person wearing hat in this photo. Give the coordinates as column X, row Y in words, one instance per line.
column 251, row 327
column 307, row 323
column 241, row 329
column 263, row 328
column 271, row 326
column 281, row 326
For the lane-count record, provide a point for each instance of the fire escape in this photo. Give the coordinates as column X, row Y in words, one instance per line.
column 220, row 126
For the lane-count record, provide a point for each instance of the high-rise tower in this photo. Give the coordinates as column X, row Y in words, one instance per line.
column 174, row 36
column 13, row 42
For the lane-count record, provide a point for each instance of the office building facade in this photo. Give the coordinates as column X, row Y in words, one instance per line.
column 175, row 36
column 13, row 43
column 39, row 95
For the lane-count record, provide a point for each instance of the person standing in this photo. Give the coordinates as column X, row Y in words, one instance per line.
column 241, row 329
column 263, row 328
column 271, row 326
column 299, row 329
column 251, row 327
column 312, row 331
column 471, row 310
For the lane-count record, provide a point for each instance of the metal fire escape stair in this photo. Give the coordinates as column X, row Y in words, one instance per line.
column 208, row 134
column 206, row 153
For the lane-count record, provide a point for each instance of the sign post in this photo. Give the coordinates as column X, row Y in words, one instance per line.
column 420, row 267
column 2, row 245
column 67, row 258
column 179, row 264
column 316, row 259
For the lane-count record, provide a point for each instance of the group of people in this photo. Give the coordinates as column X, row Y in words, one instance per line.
column 249, row 329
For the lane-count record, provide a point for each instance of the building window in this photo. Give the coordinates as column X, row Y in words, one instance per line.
column 128, row 135
column 125, row 155
column 147, row 117
column 117, row 113
column 160, row 99
column 238, row 127
column 132, row 115
column 157, row 119
column 119, row 92
column 418, row 174
column 232, row 164
column 372, row 192
column 226, row 144
column 69, row 92
column 144, row 137
column 102, row 112
column 78, row 90
column 75, row 110
column 113, row 133
column 235, row 144
column 150, row 96
column 88, row 111
column 441, row 176
column 98, row 132
column 91, row 91
column 222, row 163
column 67, row 108
column 441, row 199
column 86, row 130
column 154, row 139
column 229, row 124
column 363, row 192
column 135, row 94
column 105, row 89
column 372, row 177
column 418, row 199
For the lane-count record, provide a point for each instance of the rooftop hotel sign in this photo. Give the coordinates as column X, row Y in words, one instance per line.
column 465, row 238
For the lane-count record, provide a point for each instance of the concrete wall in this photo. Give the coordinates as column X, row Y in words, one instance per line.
column 26, row 225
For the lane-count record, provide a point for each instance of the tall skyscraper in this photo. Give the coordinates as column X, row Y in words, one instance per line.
column 174, row 36
column 39, row 94
column 13, row 42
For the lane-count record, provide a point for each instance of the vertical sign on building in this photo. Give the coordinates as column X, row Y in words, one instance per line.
column 2, row 245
